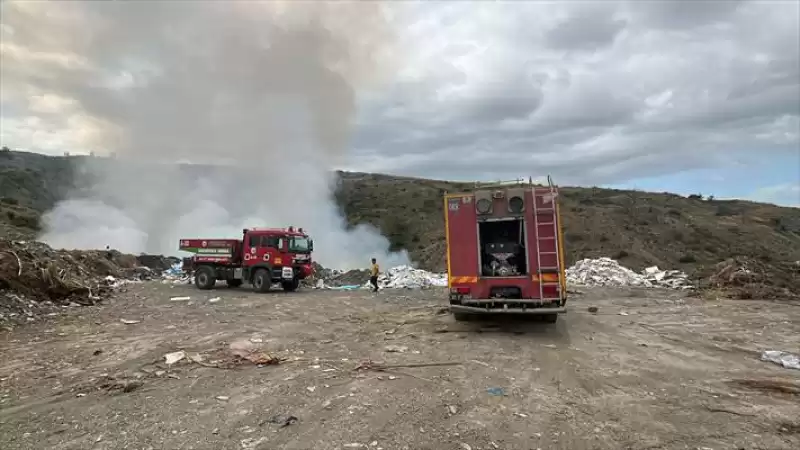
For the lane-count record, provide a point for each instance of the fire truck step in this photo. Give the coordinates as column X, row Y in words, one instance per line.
column 547, row 238
column 545, row 223
column 548, row 253
column 539, row 210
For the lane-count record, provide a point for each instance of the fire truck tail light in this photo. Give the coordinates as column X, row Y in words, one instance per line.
column 461, row 290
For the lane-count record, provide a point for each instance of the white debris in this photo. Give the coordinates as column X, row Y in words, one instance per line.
column 785, row 359
column 608, row 272
column 179, row 299
column 407, row 277
column 400, row 277
column 172, row 358
column 129, row 322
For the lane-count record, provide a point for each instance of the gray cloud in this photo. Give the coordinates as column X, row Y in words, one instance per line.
column 593, row 92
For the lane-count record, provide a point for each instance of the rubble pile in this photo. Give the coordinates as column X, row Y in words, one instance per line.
column 34, row 276
column 608, row 272
column 746, row 278
column 400, row 277
column 407, row 277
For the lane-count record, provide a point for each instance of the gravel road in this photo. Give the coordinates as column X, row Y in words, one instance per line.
column 650, row 370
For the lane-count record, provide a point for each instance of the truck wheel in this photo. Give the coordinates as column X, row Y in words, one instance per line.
column 204, row 278
column 234, row 283
column 290, row 286
column 550, row 318
column 262, row 280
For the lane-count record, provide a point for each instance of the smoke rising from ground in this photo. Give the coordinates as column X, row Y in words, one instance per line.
column 260, row 98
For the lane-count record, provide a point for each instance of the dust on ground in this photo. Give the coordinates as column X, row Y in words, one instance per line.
column 650, row 370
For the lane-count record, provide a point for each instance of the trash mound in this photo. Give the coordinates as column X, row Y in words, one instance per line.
column 746, row 278
column 34, row 275
column 400, row 277
column 407, row 277
column 608, row 272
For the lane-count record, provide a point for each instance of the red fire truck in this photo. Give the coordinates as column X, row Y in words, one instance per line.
column 505, row 251
column 263, row 257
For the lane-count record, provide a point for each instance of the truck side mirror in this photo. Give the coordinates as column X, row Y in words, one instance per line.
column 311, row 245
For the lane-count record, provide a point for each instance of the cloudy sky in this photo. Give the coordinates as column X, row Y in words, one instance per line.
column 683, row 96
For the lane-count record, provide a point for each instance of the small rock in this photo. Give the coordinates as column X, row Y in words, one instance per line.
column 453, row 410
column 223, row 398
column 593, row 309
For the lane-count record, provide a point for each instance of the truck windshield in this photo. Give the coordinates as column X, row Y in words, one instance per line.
column 298, row 244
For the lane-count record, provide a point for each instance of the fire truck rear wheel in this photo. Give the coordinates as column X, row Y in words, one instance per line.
column 290, row 286
column 204, row 278
column 262, row 280
column 234, row 283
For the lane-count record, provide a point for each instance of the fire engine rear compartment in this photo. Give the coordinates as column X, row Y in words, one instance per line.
column 503, row 247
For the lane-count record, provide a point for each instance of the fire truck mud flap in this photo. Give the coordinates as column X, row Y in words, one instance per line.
column 462, row 309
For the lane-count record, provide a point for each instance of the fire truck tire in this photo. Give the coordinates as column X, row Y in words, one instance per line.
column 262, row 280
column 290, row 286
column 204, row 278
column 550, row 318
column 233, row 283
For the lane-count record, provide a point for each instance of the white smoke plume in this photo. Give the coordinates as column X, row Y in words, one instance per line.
column 260, row 99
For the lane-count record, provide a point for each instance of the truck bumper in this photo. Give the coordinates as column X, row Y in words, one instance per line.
column 528, row 311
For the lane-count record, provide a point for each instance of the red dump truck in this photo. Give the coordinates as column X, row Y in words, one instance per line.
column 263, row 257
column 505, row 251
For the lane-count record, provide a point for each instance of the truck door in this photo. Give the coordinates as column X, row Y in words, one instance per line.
column 462, row 239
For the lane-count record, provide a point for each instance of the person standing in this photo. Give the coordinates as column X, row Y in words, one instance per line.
column 373, row 278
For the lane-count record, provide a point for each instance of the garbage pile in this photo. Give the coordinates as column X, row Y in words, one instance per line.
column 33, row 274
column 400, row 277
column 747, row 278
column 407, row 277
column 608, row 272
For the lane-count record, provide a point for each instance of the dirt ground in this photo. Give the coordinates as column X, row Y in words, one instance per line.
column 650, row 370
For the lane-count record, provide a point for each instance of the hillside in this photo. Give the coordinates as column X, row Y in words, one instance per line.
column 638, row 228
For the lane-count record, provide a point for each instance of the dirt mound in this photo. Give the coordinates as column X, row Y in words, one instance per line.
column 747, row 278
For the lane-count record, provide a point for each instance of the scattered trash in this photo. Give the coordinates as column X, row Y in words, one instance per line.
column 452, row 409
column 114, row 385
column 222, row 398
column 396, row 348
column 178, row 299
column 785, row 359
column 283, row 420
column 252, row 443
column 623, row 313
column 172, row 358
column 256, row 340
column 311, row 388
column 129, row 322
column 214, row 300
column 608, row 272
column 496, row 391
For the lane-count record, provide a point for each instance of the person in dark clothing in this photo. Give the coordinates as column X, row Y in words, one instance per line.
column 374, row 270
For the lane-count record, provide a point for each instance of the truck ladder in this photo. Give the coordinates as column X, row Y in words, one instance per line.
column 546, row 237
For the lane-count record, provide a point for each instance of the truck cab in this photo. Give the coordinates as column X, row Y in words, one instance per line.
column 284, row 253
column 505, row 251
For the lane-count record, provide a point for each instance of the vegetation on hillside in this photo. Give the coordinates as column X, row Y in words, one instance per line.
column 638, row 228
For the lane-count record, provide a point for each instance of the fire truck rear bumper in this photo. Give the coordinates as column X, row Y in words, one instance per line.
column 482, row 310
